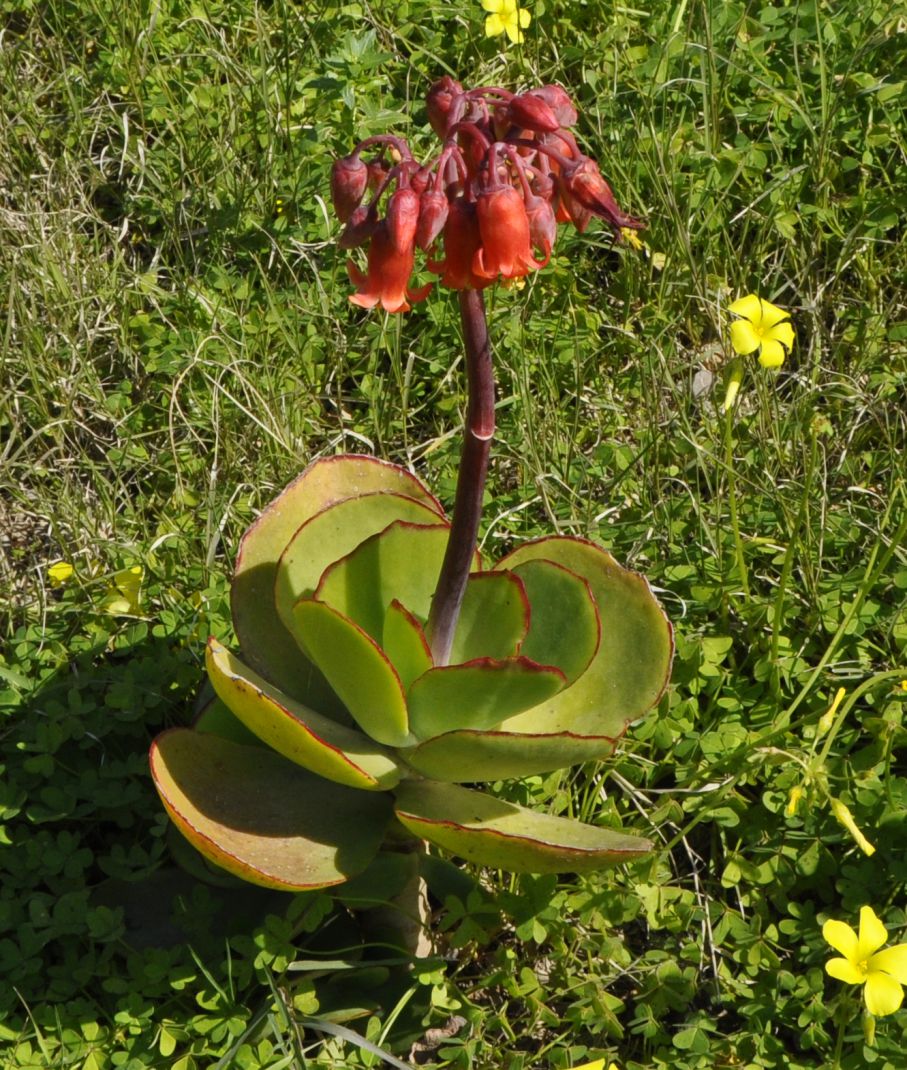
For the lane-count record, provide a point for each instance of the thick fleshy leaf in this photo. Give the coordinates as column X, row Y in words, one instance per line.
column 216, row 719
column 494, row 618
column 317, row 743
column 266, row 644
column 631, row 667
column 478, row 694
column 262, row 818
column 564, row 628
column 332, row 534
column 401, row 562
column 472, row 757
column 491, row 832
column 404, row 642
column 357, row 669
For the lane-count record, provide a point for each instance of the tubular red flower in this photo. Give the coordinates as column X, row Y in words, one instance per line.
column 504, row 229
column 387, row 279
column 433, row 214
column 542, row 224
column 582, row 187
column 402, row 217
column 462, row 241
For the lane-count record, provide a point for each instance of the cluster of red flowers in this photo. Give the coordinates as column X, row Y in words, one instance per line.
column 508, row 172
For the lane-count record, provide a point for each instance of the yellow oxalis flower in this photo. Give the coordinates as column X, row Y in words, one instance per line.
column 762, row 326
column 506, row 17
column 124, row 594
column 599, row 1064
column 882, row 973
column 59, row 573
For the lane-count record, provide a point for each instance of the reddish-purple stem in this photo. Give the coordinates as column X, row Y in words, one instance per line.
column 464, row 528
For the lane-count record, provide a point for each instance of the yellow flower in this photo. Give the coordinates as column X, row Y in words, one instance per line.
column 59, row 573
column 882, row 973
column 599, row 1064
column 634, row 241
column 506, row 17
column 124, row 594
column 762, row 326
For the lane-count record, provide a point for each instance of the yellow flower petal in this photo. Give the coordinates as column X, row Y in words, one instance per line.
column 844, row 970
column 772, row 354
column 891, row 960
column 783, row 333
column 872, row 933
column 750, row 307
column 492, row 5
column 743, row 338
column 512, row 26
column 842, row 938
column 494, row 25
column 59, row 573
column 599, row 1064
column 771, row 314
column 525, row 18
column 883, row 994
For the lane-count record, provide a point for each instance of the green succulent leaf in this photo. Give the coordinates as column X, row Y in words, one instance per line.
column 262, row 818
column 216, row 719
column 494, row 618
column 307, row 738
column 405, row 643
column 564, row 628
column 478, row 694
column 492, row 832
column 630, row 669
column 400, row 563
column 332, row 534
column 357, row 669
column 265, row 641
column 473, row 757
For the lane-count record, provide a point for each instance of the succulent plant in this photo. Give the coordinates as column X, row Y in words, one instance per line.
column 334, row 728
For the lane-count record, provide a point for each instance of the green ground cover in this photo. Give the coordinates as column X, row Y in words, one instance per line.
column 178, row 344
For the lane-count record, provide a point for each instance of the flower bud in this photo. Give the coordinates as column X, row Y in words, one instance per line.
column 439, row 101
column 530, row 111
column 349, row 178
column 559, row 102
column 378, row 171
column 433, row 212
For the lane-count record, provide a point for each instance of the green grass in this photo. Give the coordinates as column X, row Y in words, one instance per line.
column 178, row 344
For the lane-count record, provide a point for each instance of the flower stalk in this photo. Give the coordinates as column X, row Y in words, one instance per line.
column 467, row 510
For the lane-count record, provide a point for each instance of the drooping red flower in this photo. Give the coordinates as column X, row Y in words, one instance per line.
column 506, row 248
column 462, row 241
column 582, row 185
column 387, row 279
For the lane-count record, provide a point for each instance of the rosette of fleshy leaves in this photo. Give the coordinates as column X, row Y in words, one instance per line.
column 485, row 208
column 333, row 731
